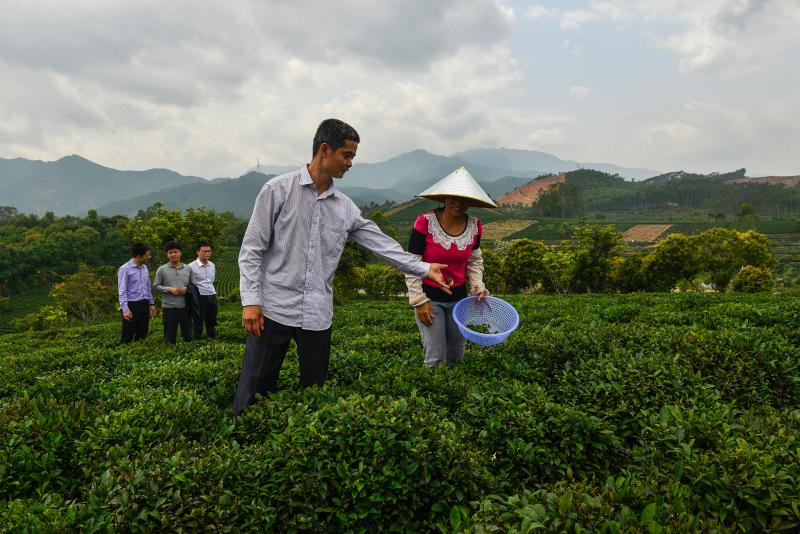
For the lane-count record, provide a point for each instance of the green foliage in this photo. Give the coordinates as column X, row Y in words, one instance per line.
column 381, row 281
column 645, row 412
column 21, row 305
column 676, row 257
column 347, row 278
column 563, row 199
column 724, row 252
column 36, row 251
column 157, row 225
column 628, row 274
column 523, row 265
column 559, row 269
column 88, row 294
column 753, row 280
column 593, row 247
column 226, row 261
column 493, row 271
column 42, row 319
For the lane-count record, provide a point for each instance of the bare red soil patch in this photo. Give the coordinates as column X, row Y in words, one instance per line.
column 527, row 194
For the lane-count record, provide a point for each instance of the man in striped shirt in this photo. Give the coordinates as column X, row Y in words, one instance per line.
column 289, row 254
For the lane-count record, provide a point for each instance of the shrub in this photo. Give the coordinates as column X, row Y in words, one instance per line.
column 42, row 319
column 753, row 280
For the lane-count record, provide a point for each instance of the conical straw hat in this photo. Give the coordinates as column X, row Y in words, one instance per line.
column 459, row 183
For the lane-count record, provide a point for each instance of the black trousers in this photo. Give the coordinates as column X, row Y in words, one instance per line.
column 263, row 357
column 208, row 315
column 173, row 317
column 137, row 327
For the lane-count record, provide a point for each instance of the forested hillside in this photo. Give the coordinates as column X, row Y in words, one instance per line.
column 586, row 191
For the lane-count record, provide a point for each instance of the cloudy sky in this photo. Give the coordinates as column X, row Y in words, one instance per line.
column 207, row 87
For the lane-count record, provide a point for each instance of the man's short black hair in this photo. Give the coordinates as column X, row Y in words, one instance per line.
column 202, row 244
column 172, row 245
column 335, row 134
column 139, row 249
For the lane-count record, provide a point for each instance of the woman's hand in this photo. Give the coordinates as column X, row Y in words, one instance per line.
column 481, row 295
column 425, row 313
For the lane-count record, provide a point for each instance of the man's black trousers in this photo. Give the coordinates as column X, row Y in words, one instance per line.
column 208, row 315
column 136, row 328
column 173, row 317
column 263, row 357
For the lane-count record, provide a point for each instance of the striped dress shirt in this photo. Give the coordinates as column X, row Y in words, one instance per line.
column 293, row 244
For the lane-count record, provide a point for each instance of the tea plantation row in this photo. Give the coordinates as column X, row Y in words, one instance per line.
column 601, row 413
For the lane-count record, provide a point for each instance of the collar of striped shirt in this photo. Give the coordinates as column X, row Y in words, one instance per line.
column 305, row 179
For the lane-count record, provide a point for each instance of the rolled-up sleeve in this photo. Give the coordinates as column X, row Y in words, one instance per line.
column 256, row 242
column 367, row 234
column 122, row 285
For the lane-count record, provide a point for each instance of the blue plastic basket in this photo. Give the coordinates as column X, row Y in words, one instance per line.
column 497, row 314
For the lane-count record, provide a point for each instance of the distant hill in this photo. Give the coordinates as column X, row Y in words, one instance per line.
column 414, row 171
column 520, row 160
column 237, row 195
column 73, row 185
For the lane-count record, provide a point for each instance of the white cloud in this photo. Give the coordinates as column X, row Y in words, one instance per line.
column 567, row 18
column 579, row 93
column 707, row 136
column 731, row 36
column 206, row 88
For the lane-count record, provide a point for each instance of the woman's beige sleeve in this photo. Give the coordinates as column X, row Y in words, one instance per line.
column 416, row 296
column 475, row 272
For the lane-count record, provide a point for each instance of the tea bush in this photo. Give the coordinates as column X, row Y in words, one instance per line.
column 646, row 412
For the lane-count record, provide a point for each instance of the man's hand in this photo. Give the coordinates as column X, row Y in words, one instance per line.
column 253, row 319
column 175, row 290
column 435, row 275
column 127, row 315
column 152, row 310
column 481, row 295
column 425, row 313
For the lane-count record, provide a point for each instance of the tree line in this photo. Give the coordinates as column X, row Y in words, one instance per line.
column 597, row 260
column 78, row 258
column 37, row 251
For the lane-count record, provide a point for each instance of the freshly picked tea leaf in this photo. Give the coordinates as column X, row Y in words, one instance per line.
column 482, row 328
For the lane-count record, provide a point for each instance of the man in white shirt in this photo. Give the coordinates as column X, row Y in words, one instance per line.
column 205, row 272
column 289, row 254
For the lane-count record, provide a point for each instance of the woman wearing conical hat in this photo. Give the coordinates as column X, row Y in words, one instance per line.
column 450, row 236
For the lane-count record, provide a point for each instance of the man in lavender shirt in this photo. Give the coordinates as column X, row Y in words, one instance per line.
column 135, row 298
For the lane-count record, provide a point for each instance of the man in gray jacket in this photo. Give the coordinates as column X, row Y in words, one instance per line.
column 172, row 279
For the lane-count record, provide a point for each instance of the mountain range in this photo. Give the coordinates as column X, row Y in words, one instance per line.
column 72, row 185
